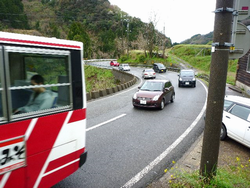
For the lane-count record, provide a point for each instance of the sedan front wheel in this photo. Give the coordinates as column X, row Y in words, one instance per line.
column 162, row 104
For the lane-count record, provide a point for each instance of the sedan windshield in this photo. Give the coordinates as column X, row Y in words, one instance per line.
column 161, row 66
column 152, row 86
column 149, row 70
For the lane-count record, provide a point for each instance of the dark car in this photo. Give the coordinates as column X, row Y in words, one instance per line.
column 154, row 94
column 159, row 67
column 187, row 78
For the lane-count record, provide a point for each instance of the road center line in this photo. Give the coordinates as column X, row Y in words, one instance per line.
column 105, row 122
column 157, row 160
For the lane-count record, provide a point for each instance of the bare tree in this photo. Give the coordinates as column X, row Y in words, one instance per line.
column 151, row 34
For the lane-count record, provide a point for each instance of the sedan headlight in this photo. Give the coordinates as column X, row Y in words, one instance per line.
column 156, row 97
column 193, row 79
column 135, row 96
column 180, row 79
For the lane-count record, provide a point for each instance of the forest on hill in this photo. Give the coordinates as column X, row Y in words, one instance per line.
column 105, row 30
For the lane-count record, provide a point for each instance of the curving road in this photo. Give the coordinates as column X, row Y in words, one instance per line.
column 130, row 147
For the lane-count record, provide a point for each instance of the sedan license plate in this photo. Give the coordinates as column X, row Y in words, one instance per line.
column 187, row 83
column 143, row 102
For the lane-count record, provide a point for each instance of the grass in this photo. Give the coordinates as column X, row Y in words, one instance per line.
column 199, row 57
column 137, row 57
column 98, row 79
column 236, row 175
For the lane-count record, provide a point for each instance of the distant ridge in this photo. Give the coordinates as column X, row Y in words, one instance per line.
column 199, row 39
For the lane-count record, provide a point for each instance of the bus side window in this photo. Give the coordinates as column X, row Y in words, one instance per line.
column 63, row 91
column 50, row 91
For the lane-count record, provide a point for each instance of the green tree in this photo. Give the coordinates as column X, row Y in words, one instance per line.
column 78, row 33
column 12, row 14
column 107, row 41
column 151, row 38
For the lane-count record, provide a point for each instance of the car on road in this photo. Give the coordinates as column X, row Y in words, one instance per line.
column 154, row 94
column 159, row 67
column 236, row 119
column 186, row 77
column 114, row 63
column 148, row 73
column 124, row 67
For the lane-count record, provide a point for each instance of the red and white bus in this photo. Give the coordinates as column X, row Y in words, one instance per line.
column 41, row 146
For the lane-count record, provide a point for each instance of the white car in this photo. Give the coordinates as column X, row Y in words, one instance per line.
column 148, row 73
column 236, row 119
column 124, row 67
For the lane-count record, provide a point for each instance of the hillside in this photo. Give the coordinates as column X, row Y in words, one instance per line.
column 101, row 26
column 199, row 39
column 199, row 58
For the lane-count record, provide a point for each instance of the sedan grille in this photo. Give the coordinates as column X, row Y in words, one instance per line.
column 144, row 98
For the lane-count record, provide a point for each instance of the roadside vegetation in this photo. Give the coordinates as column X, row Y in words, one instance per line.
column 139, row 58
column 98, row 79
column 199, row 57
column 234, row 175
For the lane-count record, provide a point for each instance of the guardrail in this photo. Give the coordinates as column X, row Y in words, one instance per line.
column 91, row 61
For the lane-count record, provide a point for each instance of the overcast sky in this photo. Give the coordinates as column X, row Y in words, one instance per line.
column 182, row 18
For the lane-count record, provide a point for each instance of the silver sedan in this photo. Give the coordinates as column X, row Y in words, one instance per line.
column 148, row 73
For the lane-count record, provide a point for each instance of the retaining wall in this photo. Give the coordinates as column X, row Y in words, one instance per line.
column 126, row 80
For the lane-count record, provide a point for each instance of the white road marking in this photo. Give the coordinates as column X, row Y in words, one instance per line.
column 103, row 123
column 142, row 173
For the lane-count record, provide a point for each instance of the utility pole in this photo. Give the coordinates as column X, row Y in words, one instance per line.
column 128, row 37
column 164, row 43
column 216, row 91
column 122, row 33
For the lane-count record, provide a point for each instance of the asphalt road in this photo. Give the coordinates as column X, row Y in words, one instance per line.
column 129, row 147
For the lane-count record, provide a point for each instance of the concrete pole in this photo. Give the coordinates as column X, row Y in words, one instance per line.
column 216, row 90
column 128, row 38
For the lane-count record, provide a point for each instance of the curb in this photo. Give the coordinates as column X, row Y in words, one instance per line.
column 127, row 80
column 234, row 88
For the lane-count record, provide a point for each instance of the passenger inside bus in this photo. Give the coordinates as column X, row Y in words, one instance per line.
column 40, row 99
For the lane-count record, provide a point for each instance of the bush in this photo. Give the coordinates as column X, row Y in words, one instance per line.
column 124, row 58
column 142, row 58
